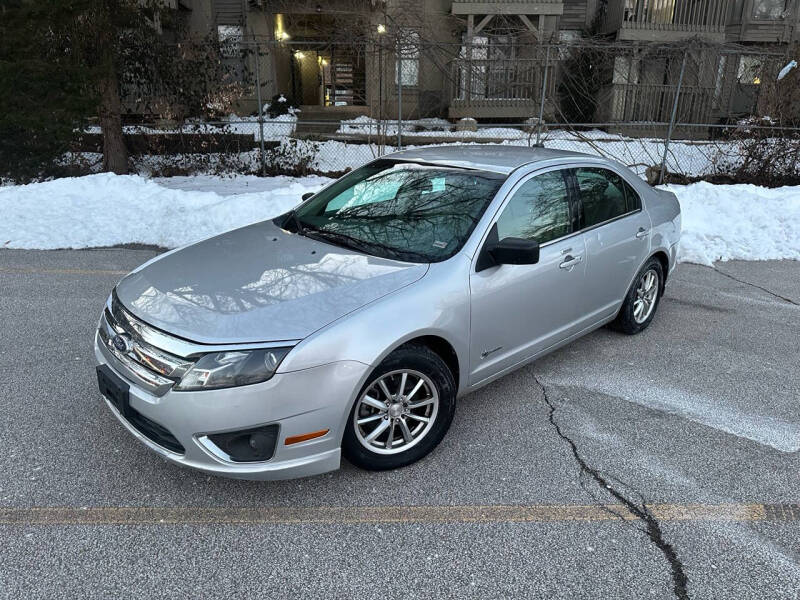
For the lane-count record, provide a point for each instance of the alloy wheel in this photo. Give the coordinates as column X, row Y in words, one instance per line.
column 396, row 411
column 646, row 295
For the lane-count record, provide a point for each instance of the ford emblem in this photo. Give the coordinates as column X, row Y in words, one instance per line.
column 121, row 343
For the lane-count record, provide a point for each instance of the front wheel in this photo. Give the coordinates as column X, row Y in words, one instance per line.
column 641, row 302
column 402, row 412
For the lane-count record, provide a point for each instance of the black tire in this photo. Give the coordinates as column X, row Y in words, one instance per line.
column 625, row 321
column 422, row 359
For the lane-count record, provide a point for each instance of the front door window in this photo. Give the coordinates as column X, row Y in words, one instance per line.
column 538, row 211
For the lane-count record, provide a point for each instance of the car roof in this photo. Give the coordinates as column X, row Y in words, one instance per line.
column 488, row 157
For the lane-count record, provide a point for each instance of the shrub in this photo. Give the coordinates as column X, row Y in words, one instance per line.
column 292, row 157
column 279, row 105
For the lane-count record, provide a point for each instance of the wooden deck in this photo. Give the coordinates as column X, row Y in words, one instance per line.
column 665, row 20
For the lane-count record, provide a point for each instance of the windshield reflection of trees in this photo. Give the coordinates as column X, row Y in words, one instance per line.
column 538, row 211
column 431, row 214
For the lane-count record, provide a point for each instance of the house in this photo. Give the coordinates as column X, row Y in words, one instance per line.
column 713, row 88
column 492, row 59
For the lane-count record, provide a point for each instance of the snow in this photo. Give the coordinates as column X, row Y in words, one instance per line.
column 275, row 129
column 691, row 158
column 357, row 144
column 720, row 222
column 745, row 222
column 694, row 158
column 107, row 209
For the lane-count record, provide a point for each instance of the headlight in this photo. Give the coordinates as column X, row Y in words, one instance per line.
column 228, row 369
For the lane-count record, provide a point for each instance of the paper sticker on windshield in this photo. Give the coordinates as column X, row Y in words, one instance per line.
column 438, row 244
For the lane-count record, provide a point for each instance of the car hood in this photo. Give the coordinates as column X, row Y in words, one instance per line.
column 258, row 284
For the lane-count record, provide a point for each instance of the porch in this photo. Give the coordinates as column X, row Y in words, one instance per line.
column 497, row 88
column 665, row 20
column 653, row 103
column 508, row 7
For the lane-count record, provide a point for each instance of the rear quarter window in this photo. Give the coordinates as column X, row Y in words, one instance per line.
column 632, row 199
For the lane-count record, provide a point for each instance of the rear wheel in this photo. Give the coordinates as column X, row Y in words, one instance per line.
column 641, row 302
column 402, row 412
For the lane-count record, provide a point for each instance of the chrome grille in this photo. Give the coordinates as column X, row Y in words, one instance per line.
column 155, row 368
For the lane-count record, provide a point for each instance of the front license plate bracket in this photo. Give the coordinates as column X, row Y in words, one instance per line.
column 114, row 389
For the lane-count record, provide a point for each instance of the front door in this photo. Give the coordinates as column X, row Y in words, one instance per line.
column 519, row 310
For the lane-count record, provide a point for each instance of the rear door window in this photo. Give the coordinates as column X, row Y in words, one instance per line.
column 602, row 195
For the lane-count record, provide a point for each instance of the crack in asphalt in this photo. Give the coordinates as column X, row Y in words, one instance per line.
column 755, row 285
column 652, row 528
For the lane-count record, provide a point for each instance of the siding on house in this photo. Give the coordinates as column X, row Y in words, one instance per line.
column 230, row 12
column 743, row 27
column 578, row 14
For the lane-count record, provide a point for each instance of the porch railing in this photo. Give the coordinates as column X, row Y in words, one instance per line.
column 653, row 102
column 497, row 81
column 498, row 6
column 690, row 16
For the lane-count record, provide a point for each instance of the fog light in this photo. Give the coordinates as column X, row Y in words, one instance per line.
column 247, row 445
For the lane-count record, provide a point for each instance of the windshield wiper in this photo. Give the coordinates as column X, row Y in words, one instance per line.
column 360, row 245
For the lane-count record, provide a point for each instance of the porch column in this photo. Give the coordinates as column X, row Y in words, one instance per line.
column 470, row 34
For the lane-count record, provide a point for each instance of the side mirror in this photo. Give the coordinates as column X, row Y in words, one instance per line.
column 515, row 251
column 508, row 251
column 307, row 195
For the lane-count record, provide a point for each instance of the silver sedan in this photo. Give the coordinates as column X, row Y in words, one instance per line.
column 352, row 324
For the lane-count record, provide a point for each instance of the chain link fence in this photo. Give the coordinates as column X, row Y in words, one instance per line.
column 269, row 147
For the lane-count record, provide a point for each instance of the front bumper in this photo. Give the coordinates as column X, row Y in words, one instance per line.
column 299, row 402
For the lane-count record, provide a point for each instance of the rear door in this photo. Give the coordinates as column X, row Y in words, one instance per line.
column 617, row 236
column 518, row 310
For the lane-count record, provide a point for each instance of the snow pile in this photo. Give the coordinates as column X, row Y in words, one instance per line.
column 106, row 209
column 720, row 222
column 745, row 222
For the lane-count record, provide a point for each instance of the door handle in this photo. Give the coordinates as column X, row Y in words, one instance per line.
column 570, row 261
column 642, row 233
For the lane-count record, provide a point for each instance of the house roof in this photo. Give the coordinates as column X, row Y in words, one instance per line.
column 489, row 157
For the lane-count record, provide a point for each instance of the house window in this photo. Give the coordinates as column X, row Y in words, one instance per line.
column 230, row 40
column 406, row 69
column 749, row 72
column 769, row 10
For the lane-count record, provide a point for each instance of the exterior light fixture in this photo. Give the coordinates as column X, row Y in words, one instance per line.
column 381, row 28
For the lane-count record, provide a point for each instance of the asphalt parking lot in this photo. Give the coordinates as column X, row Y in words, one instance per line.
column 665, row 465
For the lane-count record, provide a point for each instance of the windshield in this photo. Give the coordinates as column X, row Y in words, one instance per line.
column 403, row 210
